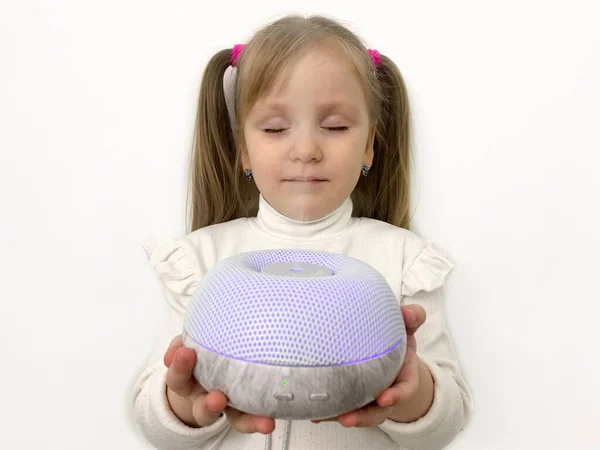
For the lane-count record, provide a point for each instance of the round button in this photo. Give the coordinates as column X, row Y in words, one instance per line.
column 297, row 269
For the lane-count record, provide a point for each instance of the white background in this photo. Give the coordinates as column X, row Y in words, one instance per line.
column 97, row 101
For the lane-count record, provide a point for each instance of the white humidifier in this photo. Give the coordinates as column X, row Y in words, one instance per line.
column 295, row 334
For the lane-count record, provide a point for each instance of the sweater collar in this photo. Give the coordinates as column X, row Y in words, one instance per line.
column 273, row 222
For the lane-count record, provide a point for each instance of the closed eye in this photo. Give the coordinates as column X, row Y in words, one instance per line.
column 274, row 130
column 281, row 130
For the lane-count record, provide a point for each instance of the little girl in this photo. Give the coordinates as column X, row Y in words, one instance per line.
column 302, row 141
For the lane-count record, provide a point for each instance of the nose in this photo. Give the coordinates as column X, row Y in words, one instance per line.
column 306, row 147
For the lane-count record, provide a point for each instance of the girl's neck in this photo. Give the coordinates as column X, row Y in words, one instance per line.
column 273, row 222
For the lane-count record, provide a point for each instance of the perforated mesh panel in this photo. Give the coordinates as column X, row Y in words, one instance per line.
column 349, row 316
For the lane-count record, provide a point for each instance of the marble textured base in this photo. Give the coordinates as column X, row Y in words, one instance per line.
column 253, row 387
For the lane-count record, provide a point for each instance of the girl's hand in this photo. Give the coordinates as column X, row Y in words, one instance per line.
column 403, row 393
column 194, row 405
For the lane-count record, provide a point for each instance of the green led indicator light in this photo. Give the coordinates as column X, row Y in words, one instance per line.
column 284, row 382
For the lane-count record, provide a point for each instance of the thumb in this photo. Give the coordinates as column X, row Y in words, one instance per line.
column 180, row 374
column 175, row 345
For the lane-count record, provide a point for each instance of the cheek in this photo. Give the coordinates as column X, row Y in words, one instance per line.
column 251, row 142
column 352, row 169
column 264, row 161
column 350, row 154
column 264, row 158
column 255, row 146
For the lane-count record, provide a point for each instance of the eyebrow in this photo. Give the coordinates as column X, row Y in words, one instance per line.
column 344, row 106
column 273, row 107
column 325, row 107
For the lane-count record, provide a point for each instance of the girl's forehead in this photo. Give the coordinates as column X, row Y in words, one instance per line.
column 317, row 62
column 323, row 75
column 315, row 72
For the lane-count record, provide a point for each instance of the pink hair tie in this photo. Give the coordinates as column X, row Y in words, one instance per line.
column 374, row 54
column 235, row 53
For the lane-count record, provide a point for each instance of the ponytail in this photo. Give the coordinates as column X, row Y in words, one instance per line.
column 385, row 194
column 215, row 192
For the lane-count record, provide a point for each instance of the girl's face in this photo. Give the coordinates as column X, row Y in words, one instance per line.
column 307, row 140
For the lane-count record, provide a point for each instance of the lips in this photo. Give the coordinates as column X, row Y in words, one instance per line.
column 306, row 179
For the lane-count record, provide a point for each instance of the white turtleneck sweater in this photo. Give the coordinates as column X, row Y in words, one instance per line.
column 411, row 265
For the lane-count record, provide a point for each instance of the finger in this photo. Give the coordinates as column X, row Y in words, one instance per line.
column 247, row 423
column 216, row 401
column 175, row 345
column 207, row 408
column 179, row 376
column 411, row 343
column 330, row 419
column 368, row 416
column 407, row 383
column 414, row 316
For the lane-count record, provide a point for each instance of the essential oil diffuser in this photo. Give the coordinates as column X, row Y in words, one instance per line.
column 295, row 334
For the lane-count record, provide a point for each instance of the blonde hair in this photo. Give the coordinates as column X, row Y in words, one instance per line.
column 218, row 191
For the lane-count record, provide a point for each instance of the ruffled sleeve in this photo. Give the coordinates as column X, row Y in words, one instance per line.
column 427, row 271
column 174, row 264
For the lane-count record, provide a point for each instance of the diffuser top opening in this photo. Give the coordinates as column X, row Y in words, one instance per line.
column 296, row 269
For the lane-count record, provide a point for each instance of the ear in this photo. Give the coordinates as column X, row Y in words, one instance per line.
column 369, row 149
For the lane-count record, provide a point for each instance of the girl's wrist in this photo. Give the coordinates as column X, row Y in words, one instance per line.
column 420, row 404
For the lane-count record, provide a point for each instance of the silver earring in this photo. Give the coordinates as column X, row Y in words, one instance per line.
column 248, row 174
column 365, row 170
